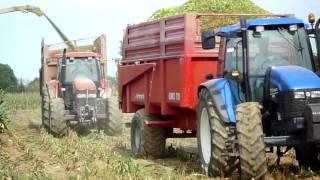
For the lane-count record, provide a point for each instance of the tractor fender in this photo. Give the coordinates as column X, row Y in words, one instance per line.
column 222, row 95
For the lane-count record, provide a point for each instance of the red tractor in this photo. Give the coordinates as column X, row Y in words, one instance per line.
column 74, row 89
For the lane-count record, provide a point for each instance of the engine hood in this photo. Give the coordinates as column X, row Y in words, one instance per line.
column 293, row 78
column 82, row 83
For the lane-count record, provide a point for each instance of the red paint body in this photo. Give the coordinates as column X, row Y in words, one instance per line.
column 82, row 84
column 162, row 67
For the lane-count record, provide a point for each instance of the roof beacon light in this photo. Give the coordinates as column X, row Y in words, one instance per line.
column 293, row 27
column 259, row 28
column 311, row 18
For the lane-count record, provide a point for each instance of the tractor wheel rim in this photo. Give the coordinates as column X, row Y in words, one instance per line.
column 137, row 137
column 205, row 136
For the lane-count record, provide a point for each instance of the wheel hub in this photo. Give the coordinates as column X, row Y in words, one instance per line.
column 137, row 136
column 205, row 136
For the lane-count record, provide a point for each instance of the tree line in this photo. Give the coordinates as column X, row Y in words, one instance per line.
column 10, row 83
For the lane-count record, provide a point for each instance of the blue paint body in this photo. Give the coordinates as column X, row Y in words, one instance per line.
column 223, row 96
column 293, row 78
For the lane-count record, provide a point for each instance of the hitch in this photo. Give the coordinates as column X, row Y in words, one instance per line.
column 280, row 153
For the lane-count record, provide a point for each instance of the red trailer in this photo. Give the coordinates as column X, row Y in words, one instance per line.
column 163, row 64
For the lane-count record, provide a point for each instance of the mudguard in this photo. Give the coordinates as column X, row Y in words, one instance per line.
column 224, row 96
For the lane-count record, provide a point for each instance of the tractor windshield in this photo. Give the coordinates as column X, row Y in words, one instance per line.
column 277, row 47
column 87, row 68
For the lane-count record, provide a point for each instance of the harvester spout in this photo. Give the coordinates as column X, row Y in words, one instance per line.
column 37, row 11
column 25, row 8
column 63, row 36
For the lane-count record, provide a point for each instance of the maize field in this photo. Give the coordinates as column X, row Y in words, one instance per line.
column 27, row 151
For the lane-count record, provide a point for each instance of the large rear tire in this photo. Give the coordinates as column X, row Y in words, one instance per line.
column 113, row 124
column 253, row 161
column 308, row 156
column 213, row 137
column 59, row 125
column 146, row 140
column 45, row 109
column 53, row 113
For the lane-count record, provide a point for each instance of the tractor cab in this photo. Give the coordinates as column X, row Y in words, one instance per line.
column 269, row 43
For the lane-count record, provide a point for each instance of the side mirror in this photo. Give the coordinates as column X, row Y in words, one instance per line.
column 208, row 40
column 209, row 77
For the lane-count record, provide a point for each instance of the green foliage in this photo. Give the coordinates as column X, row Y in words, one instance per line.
column 127, row 168
column 3, row 115
column 20, row 87
column 33, row 86
column 210, row 6
column 8, row 80
column 113, row 84
column 22, row 101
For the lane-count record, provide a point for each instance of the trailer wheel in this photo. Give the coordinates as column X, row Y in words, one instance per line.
column 146, row 140
column 308, row 156
column 113, row 124
column 253, row 161
column 212, row 136
column 59, row 126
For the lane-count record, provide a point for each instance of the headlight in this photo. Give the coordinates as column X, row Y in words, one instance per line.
column 85, row 95
column 299, row 95
column 315, row 94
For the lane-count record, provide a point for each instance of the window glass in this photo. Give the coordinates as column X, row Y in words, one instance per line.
column 79, row 68
column 277, row 47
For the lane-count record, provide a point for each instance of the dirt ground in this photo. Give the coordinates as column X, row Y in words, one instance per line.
column 28, row 152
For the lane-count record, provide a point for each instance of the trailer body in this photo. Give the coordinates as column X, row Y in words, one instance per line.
column 163, row 64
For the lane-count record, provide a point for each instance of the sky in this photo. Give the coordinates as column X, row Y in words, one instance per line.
column 21, row 34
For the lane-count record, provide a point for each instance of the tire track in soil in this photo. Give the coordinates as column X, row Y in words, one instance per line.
column 21, row 149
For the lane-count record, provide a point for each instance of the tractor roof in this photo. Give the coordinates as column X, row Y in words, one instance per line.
column 260, row 22
column 78, row 55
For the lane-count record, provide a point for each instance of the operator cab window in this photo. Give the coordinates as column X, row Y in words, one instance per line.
column 233, row 57
column 275, row 46
column 81, row 68
column 234, row 62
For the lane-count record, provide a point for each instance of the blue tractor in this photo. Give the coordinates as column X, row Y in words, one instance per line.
column 268, row 97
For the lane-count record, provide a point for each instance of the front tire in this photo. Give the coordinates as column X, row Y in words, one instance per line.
column 213, row 136
column 146, row 140
column 59, row 125
column 308, row 156
column 253, row 161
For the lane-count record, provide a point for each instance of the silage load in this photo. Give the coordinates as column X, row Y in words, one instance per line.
column 211, row 6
